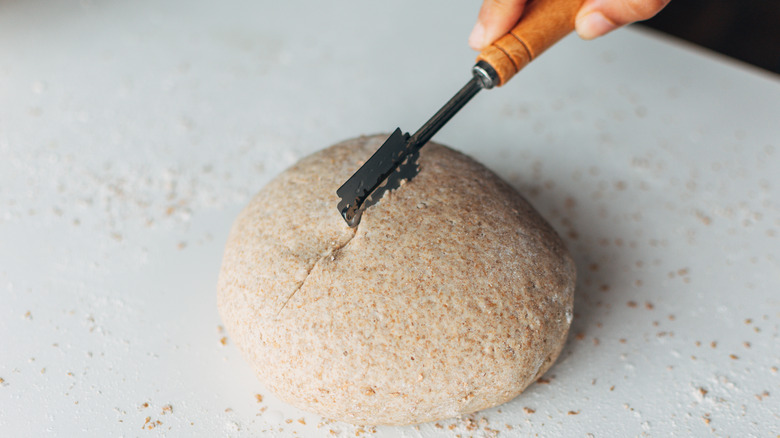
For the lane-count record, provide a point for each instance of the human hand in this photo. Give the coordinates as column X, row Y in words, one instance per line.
column 595, row 18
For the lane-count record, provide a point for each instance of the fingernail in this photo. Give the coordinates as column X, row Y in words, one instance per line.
column 593, row 25
column 477, row 37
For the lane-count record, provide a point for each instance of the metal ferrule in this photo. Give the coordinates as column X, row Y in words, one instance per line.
column 487, row 76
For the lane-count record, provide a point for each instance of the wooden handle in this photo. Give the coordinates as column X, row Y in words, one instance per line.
column 543, row 24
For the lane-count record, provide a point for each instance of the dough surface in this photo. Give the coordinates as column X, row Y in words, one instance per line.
column 452, row 296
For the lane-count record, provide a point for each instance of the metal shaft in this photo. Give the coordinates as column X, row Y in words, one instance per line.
column 484, row 77
column 435, row 123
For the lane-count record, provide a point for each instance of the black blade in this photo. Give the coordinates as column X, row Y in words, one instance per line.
column 396, row 160
column 371, row 175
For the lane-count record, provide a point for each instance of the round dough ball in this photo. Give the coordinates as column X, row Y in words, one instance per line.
column 452, row 295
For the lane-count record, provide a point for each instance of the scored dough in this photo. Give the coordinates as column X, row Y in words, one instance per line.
column 452, row 296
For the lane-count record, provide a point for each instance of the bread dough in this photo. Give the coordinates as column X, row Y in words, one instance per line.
column 452, row 295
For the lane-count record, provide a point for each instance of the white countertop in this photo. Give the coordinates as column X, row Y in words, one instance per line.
column 132, row 133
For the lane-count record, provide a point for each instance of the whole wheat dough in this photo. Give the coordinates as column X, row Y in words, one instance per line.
column 452, row 296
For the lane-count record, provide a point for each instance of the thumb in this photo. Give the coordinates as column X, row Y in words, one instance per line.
column 598, row 17
column 496, row 18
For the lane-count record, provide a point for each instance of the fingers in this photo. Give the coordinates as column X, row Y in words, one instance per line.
column 598, row 17
column 595, row 18
column 496, row 18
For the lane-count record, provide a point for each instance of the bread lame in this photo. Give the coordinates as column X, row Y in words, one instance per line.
column 543, row 24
